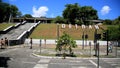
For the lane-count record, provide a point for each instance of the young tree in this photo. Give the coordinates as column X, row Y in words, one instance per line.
column 64, row 43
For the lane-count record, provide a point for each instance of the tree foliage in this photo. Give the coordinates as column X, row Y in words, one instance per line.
column 7, row 10
column 112, row 22
column 114, row 33
column 107, row 22
column 73, row 13
column 59, row 19
column 27, row 16
column 64, row 43
column 116, row 21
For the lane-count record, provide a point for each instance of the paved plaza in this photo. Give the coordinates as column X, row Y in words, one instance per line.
column 21, row 56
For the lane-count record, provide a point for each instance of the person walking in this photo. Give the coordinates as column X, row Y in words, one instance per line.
column 110, row 48
column 31, row 42
column 6, row 42
column 2, row 43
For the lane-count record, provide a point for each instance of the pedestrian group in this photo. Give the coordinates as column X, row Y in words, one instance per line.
column 3, row 43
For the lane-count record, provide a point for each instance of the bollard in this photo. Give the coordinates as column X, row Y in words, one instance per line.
column 40, row 46
column 90, row 48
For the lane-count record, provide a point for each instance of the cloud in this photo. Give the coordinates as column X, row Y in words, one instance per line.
column 105, row 10
column 41, row 11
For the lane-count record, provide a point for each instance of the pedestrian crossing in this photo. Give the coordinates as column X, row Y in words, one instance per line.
column 50, row 63
column 74, row 63
column 41, row 66
column 113, row 62
column 42, row 63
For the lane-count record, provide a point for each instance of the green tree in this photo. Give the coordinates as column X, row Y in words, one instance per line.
column 107, row 22
column 27, row 16
column 88, row 13
column 7, row 10
column 14, row 10
column 4, row 11
column 0, row 0
column 114, row 33
column 19, row 14
column 64, row 43
column 73, row 13
column 116, row 21
column 59, row 19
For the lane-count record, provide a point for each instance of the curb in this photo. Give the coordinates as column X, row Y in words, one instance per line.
column 49, row 57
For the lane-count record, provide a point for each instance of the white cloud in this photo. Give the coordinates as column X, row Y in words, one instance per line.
column 41, row 11
column 105, row 10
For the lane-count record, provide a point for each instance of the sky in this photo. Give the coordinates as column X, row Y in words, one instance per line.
column 106, row 9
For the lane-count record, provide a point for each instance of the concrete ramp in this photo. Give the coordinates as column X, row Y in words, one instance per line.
column 18, row 35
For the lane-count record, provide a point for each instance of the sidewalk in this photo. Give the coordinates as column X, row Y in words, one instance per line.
column 53, row 41
column 49, row 51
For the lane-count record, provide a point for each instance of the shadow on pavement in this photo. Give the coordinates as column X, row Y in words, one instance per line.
column 3, row 61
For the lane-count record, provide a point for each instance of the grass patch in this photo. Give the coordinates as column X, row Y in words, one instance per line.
column 49, row 31
column 47, row 54
column 5, row 25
